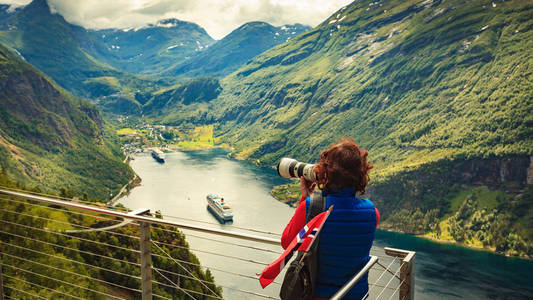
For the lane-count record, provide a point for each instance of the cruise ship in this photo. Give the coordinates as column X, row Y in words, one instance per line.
column 158, row 155
column 219, row 208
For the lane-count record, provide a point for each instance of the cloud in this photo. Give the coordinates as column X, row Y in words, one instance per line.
column 218, row 17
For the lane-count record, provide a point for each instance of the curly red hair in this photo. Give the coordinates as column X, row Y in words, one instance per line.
column 343, row 165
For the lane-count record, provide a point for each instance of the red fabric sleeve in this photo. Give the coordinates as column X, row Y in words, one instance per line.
column 377, row 216
column 295, row 225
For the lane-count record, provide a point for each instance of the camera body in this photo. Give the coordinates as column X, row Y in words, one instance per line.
column 291, row 168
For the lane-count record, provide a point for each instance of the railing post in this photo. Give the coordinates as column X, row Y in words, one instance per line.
column 407, row 277
column 407, row 271
column 146, row 261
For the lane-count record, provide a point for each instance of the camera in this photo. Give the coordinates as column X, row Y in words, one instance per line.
column 291, row 168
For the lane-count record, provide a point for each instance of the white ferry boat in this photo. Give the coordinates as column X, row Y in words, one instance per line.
column 158, row 155
column 219, row 208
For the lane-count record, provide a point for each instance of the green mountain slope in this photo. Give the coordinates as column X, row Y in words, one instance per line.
column 440, row 79
column 235, row 49
column 51, row 139
column 150, row 49
column 439, row 92
column 169, row 105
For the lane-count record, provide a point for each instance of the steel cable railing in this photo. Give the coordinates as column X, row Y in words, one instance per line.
column 160, row 297
column 186, row 291
column 32, row 296
column 217, row 224
column 175, row 286
column 68, row 223
column 110, row 260
column 397, row 289
column 61, row 209
column 215, row 269
column 185, row 269
column 71, row 236
column 70, row 249
column 59, row 197
column 214, row 253
column 43, row 287
column 227, row 242
column 224, row 286
column 61, row 281
column 71, row 273
column 387, row 270
column 72, row 260
column 388, row 283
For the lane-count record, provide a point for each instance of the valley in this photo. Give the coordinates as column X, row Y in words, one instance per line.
column 439, row 92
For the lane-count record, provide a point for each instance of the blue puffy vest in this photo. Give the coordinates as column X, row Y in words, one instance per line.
column 344, row 243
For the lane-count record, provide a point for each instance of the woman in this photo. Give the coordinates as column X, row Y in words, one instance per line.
column 346, row 237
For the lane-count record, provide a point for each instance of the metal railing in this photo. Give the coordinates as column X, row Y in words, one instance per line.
column 121, row 254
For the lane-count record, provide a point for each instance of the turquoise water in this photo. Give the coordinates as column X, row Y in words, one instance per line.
column 445, row 271
column 178, row 188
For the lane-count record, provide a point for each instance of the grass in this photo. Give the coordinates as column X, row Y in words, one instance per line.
column 126, row 131
column 109, row 80
column 485, row 198
column 458, row 200
column 199, row 138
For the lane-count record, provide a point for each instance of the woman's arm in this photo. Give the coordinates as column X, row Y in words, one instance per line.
column 298, row 219
column 295, row 225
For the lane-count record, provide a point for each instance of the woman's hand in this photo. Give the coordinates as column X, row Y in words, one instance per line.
column 306, row 187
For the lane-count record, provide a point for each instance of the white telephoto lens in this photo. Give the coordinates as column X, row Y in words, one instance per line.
column 284, row 167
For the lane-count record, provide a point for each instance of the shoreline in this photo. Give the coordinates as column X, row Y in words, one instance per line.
column 455, row 243
column 197, row 148
column 290, row 203
column 136, row 180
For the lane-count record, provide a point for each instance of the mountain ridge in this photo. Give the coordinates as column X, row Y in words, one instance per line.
column 170, row 41
column 236, row 48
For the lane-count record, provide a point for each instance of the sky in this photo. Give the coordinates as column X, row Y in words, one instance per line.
column 217, row 17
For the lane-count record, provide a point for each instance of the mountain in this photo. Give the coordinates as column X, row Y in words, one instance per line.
column 57, row 48
column 235, row 49
column 439, row 92
column 428, row 77
column 152, row 48
column 192, row 98
column 51, row 139
column 96, row 64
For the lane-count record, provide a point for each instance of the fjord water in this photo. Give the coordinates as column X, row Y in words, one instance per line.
column 179, row 186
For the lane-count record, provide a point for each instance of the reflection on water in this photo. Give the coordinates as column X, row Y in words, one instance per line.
column 450, row 271
column 179, row 186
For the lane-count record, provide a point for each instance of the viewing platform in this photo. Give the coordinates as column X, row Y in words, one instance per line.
column 156, row 268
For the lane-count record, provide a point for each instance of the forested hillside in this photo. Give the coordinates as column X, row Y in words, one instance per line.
column 425, row 86
column 35, row 248
column 53, row 140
